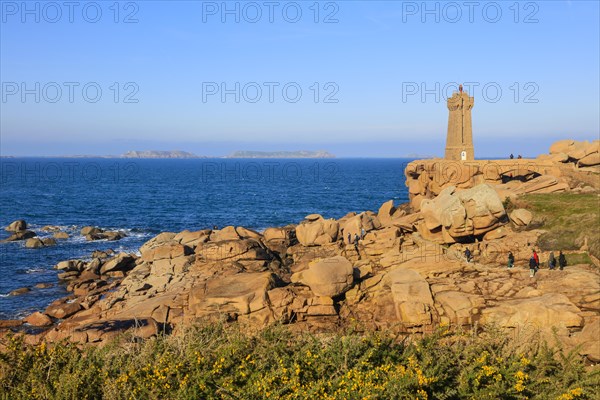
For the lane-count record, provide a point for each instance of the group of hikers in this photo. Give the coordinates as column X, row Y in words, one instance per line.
column 534, row 261
column 512, row 156
column 356, row 239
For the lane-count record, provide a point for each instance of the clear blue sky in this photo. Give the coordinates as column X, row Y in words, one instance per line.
column 375, row 61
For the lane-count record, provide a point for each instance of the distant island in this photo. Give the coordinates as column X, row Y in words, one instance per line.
column 159, row 154
column 281, row 154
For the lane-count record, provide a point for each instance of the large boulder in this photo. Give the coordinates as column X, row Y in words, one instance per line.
column 112, row 235
column 584, row 152
column 587, row 340
column 397, row 299
column 232, row 250
column 582, row 287
column 317, row 231
column 20, row 235
column 411, row 295
column 544, row 313
column 17, row 226
column 121, row 262
column 227, row 233
column 284, row 236
column 279, row 239
column 458, row 306
column 561, row 146
column 20, row 291
column 329, row 277
column 158, row 240
column 49, row 241
column 558, row 157
column 385, row 213
column 444, row 209
column 542, row 184
column 192, row 239
column 239, row 294
column 106, row 330
column 246, row 233
column 99, row 234
column 168, row 251
column 380, row 241
column 62, row 310
column 455, row 214
column 357, row 223
column 276, row 234
column 90, row 231
column 408, row 222
column 38, row 319
column 580, row 150
column 70, row 265
column 498, row 233
column 589, row 160
column 521, row 217
column 34, row 243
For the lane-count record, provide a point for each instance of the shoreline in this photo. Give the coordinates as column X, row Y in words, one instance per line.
column 400, row 269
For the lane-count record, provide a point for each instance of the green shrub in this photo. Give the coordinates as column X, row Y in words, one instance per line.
column 221, row 362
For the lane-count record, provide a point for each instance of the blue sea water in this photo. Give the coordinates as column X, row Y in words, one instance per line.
column 146, row 197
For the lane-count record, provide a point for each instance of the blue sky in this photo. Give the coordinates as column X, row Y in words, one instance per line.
column 361, row 66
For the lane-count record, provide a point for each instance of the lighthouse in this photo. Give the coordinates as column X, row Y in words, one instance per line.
column 459, row 142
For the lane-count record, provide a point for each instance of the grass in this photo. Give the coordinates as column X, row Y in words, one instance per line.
column 578, row 258
column 221, row 362
column 569, row 218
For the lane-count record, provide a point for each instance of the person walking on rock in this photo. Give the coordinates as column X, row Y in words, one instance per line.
column 532, row 267
column 537, row 259
column 511, row 259
column 551, row 261
column 468, row 254
column 349, row 239
column 562, row 260
column 356, row 239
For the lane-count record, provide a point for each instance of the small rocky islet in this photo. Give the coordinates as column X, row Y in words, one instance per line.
column 405, row 274
column 19, row 231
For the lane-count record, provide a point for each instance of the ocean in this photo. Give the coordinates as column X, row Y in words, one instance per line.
column 144, row 197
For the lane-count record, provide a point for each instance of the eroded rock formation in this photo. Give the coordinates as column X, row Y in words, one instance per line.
column 570, row 165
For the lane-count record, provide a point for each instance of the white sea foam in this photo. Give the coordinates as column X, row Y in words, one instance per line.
column 77, row 239
column 35, row 270
column 140, row 235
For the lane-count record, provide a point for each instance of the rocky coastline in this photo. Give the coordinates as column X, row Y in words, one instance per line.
column 401, row 268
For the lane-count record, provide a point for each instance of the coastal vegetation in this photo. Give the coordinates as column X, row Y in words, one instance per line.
column 217, row 361
column 570, row 219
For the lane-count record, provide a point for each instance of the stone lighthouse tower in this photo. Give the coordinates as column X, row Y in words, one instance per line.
column 459, row 142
